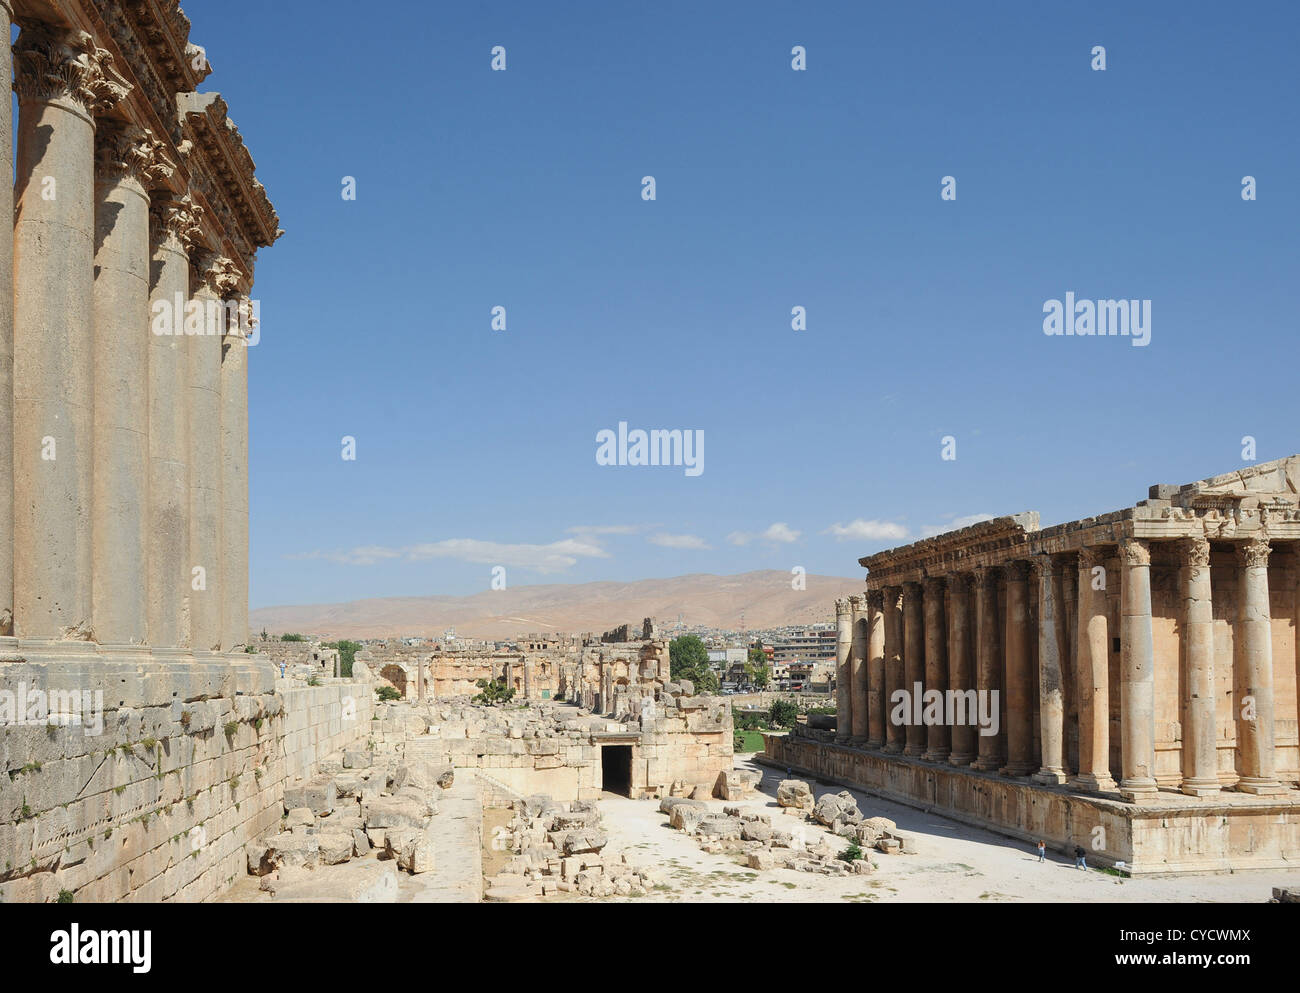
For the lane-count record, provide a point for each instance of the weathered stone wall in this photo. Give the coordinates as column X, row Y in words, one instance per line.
column 190, row 764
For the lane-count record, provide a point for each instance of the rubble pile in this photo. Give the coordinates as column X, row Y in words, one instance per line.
column 560, row 848
column 347, row 813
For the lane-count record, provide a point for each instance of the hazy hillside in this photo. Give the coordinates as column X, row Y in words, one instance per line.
column 765, row 598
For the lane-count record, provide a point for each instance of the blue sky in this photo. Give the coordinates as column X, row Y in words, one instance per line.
column 775, row 188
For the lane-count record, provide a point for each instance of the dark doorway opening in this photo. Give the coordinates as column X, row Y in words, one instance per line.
column 616, row 769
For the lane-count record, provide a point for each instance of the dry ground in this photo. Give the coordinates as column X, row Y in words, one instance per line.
column 955, row 863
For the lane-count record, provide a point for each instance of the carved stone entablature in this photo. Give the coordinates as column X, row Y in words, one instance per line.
column 132, row 151
column 175, row 221
column 54, row 63
column 1091, row 556
column 228, row 184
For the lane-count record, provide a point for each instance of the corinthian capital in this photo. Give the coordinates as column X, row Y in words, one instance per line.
column 127, row 150
column 1135, row 551
column 1197, row 551
column 174, row 221
column 1253, row 553
column 217, row 272
column 52, row 63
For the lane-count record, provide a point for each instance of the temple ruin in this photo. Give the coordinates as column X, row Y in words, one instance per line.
column 1145, row 670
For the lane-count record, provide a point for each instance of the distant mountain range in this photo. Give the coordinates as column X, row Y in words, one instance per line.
column 764, row 598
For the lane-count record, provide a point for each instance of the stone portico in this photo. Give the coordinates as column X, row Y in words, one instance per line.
column 1144, row 662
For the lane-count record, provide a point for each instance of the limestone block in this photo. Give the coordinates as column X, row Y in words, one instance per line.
column 299, row 817
column 335, row 846
column 319, row 795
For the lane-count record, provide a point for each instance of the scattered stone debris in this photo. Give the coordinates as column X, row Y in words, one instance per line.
column 339, row 816
column 748, row 833
column 1283, row 895
column 560, row 848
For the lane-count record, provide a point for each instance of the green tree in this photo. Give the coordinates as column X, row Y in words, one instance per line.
column 347, row 655
column 292, row 637
column 687, row 657
column 495, row 691
column 756, row 667
column 783, row 714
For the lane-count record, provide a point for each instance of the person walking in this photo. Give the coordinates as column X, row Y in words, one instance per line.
column 1080, row 857
column 1042, row 850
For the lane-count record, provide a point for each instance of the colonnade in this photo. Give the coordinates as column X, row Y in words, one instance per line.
column 123, row 381
column 973, row 630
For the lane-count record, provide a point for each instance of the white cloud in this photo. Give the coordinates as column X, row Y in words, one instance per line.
column 862, row 530
column 598, row 529
column 779, row 533
column 678, row 541
column 956, row 524
column 554, row 557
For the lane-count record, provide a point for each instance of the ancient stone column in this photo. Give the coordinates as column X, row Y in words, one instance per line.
column 6, row 344
column 914, row 664
column 876, row 714
column 63, row 81
column 961, row 671
column 1093, row 678
column 528, row 678
column 1255, row 731
column 1200, row 752
column 1067, row 613
column 858, row 670
column 234, row 481
column 1051, row 687
column 1137, row 695
column 843, row 672
column 127, row 162
column 1020, row 721
column 895, row 675
column 174, row 226
column 217, row 277
column 937, row 733
column 988, row 667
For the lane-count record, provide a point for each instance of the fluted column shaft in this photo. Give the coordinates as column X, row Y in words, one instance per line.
column 126, row 160
column 234, row 482
column 174, row 225
column 1200, row 754
column 913, row 663
column 1093, row 675
column 6, row 341
column 1137, row 677
column 1051, row 687
column 961, row 671
column 938, row 735
column 988, row 667
column 1019, row 687
column 876, row 698
column 843, row 672
column 62, row 83
column 858, row 670
column 1255, row 732
column 215, row 279
column 895, row 674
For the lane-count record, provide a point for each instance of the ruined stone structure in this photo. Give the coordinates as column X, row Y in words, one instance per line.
column 1145, row 664
column 140, row 747
column 137, row 219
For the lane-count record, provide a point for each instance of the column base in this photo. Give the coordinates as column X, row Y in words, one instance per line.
column 50, row 650
column 1200, row 787
column 894, row 748
column 1016, row 770
column 1093, row 784
column 1259, row 787
column 857, row 742
column 935, row 755
column 9, row 649
column 1051, row 777
column 989, row 763
column 961, row 759
column 913, row 751
column 1137, row 790
column 873, row 744
column 842, row 741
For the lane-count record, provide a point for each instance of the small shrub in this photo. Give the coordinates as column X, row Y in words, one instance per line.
column 387, row 693
column 230, row 728
column 66, row 896
column 853, row 853
column 186, row 717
